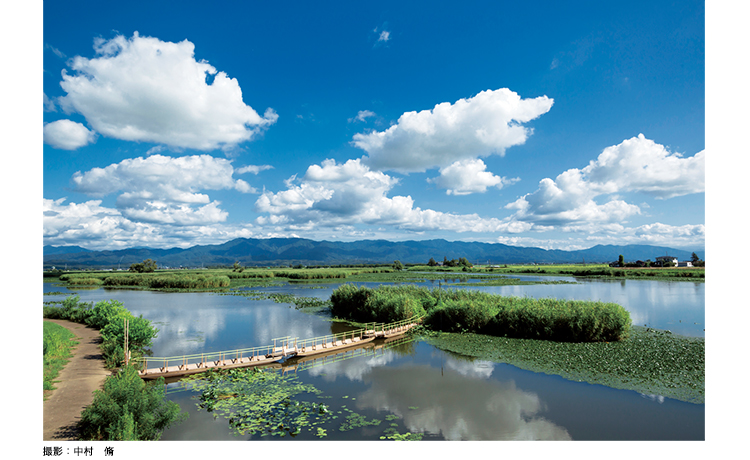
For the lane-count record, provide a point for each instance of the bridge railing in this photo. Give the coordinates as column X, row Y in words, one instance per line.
column 280, row 346
column 331, row 338
column 200, row 359
column 386, row 327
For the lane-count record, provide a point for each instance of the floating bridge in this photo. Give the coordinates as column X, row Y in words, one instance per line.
column 281, row 349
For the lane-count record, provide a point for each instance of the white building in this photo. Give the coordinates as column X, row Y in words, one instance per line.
column 665, row 259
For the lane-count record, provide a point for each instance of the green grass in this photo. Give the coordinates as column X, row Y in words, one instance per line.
column 589, row 270
column 108, row 317
column 58, row 344
column 223, row 279
column 648, row 361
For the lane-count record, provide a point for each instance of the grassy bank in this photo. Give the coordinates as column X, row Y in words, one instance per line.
column 221, row 279
column 589, row 270
column 57, row 346
column 649, row 361
column 160, row 281
column 126, row 409
column 454, row 310
column 109, row 318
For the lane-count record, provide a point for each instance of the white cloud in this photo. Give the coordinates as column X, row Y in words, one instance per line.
column 635, row 165
column 568, row 200
column 350, row 194
column 49, row 104
column 642, row 165
column 253, row 169
column 57, row 52
column 468, row 176
column 93, row 226
column 144, row 89
column 345, row 191
column 164, row 189
column 67, row 135
column 657, row 234
column 485, row 124
column 362, row 115
column 384, row 36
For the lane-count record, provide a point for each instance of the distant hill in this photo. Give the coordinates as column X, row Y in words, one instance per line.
column 52, row 250
column 286, row 251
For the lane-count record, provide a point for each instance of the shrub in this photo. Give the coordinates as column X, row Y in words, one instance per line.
column 127, row 408
column 74, row 310
column 108, row 317
column 105, row 312
column 140, row 331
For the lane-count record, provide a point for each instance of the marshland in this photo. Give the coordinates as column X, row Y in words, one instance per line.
column 502, row 354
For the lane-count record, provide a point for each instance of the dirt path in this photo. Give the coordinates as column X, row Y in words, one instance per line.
column 77, row 381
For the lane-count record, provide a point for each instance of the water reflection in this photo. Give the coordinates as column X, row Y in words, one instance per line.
column 456, row 407
column 675, row 305
column 457, row 401
column 431, row 391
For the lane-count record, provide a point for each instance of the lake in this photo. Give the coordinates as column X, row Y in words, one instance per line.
column 413, row 387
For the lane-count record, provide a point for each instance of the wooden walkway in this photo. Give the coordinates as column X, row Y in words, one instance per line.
column 281, row 349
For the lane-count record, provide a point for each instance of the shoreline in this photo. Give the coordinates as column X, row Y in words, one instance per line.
column 75, row 384
column 650, row 361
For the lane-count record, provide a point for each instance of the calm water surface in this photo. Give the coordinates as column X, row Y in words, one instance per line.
column 439, row 394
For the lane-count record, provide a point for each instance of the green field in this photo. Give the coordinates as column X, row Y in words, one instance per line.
column 588, row 270
column 222, row 279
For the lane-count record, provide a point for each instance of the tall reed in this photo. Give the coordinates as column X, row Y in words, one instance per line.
column 458, row 310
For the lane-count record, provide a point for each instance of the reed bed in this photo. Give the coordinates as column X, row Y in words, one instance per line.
column 456, row 310
column 168, row 281
column 85, row 281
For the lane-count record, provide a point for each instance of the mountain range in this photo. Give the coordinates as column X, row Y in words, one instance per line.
column 293, row 251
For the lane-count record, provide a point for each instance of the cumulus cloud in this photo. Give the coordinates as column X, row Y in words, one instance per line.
column 635, row 165
column 351, row 193
column 88, row 223
column 642, row 165
column 67, row 135
column 658, row 233
column 384, row 36
column 346, row 191
column 485, row 124
column 580, row 237
column 144, row 89
column 164, row 189
column 96, row 227
column 468, row 176
column 568, row 200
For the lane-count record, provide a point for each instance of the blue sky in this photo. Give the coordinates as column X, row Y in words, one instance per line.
column 551, row 124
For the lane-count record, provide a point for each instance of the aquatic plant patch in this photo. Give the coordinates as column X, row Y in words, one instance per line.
column 299, row 302
column 355, row 420
column 260, row 402
column 648, row 361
